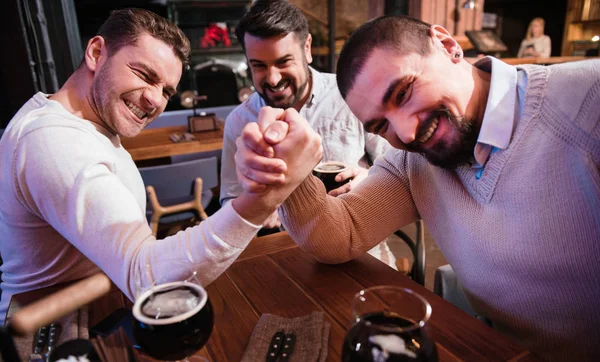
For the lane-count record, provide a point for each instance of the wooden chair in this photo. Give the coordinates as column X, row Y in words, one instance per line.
column 28, row 319
column 180, row 191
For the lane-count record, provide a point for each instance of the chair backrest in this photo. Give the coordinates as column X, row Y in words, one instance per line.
column 417, row 246
column 174, row 183
column 198, row 155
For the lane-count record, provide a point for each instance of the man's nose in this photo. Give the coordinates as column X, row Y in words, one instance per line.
column 405, row 127
column 273, row 76
column 153, row 96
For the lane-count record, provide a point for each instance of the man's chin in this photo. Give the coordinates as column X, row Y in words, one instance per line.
column 130, row 131
column 279, row 103
column 446, row 163
column 449, row 160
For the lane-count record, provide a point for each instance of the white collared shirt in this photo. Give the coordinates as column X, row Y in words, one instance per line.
column 501, row 111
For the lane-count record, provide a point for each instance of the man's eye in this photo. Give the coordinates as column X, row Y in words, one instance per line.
column 381, row 126
column 400, row 96
column 144, row 76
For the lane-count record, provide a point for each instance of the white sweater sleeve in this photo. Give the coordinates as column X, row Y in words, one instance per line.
column 68, row 178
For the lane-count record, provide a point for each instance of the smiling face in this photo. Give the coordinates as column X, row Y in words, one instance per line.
column 279, row 67
column 425, row 104
column 131, row 87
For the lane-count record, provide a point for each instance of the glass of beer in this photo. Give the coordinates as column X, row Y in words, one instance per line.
column 389, row 325
column 172, row 315
column 327, row 171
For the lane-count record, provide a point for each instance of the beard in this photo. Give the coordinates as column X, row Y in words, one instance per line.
column 297, row 90
column 449, row 153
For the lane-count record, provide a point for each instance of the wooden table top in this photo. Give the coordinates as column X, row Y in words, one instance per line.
column 155, row 143
column 275, row 276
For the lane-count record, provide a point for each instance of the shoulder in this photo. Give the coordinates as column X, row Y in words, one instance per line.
column 245, row 112
column 52, row 122
column 328, row 80
column 328, row 93
column 571, row 97
column 50, row 128
column 571, row 83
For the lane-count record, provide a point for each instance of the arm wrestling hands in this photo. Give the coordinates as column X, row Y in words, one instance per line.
column 274, row 155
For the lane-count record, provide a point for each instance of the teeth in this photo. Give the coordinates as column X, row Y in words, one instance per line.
column 135, row 110
column 430, row 131
column 280, row 88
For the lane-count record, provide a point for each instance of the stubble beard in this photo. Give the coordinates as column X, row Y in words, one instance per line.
column 105, row 108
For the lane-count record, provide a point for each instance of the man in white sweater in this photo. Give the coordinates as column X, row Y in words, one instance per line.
column 72, row 201
column 503, row 167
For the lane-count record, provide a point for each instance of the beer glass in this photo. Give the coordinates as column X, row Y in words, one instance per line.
column 389, row 325
column 172, row 314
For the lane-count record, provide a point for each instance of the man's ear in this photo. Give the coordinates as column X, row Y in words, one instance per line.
column 95, row 49
column 307, row 49
column 442, row 39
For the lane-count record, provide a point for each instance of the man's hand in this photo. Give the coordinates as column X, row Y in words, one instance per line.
column 273, row 157
column 356, row 175
column 256, row 166
column 280, row 149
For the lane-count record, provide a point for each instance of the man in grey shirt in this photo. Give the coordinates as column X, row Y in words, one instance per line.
column 277, row 44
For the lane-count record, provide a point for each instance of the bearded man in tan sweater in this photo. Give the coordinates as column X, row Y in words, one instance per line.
column 501, row 162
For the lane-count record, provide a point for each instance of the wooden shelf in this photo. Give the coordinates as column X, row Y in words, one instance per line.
column 586, row 22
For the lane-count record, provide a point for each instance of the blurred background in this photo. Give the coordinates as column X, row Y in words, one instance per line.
column 43, row 40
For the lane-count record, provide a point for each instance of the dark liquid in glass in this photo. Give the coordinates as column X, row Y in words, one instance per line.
column 173, row 337
column 366, row 342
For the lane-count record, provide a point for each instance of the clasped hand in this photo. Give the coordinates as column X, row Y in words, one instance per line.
column 276, row 153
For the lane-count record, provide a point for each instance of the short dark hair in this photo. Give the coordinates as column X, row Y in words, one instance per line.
column 400, row 33
column 269, row 18
column 124, row 26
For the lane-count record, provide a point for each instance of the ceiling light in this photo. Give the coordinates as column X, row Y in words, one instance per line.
column 469, row 4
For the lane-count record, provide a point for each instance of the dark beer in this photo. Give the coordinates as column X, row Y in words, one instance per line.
column 385, row 336
column 172, row 321
column 327, row 171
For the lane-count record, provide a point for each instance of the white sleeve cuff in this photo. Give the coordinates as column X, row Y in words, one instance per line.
column 230, row 227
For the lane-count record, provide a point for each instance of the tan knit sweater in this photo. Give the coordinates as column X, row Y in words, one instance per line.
column 524, row 239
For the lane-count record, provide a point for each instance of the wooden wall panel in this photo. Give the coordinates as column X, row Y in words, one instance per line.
column 572, row 31
column 442, row 12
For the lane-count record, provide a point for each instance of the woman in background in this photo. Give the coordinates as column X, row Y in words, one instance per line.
column 535, row 44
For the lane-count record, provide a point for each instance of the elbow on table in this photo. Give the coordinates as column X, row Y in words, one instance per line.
column 335, row 256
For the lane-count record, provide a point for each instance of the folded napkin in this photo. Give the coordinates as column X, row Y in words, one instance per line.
column 312, row 336
column 73, row 326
